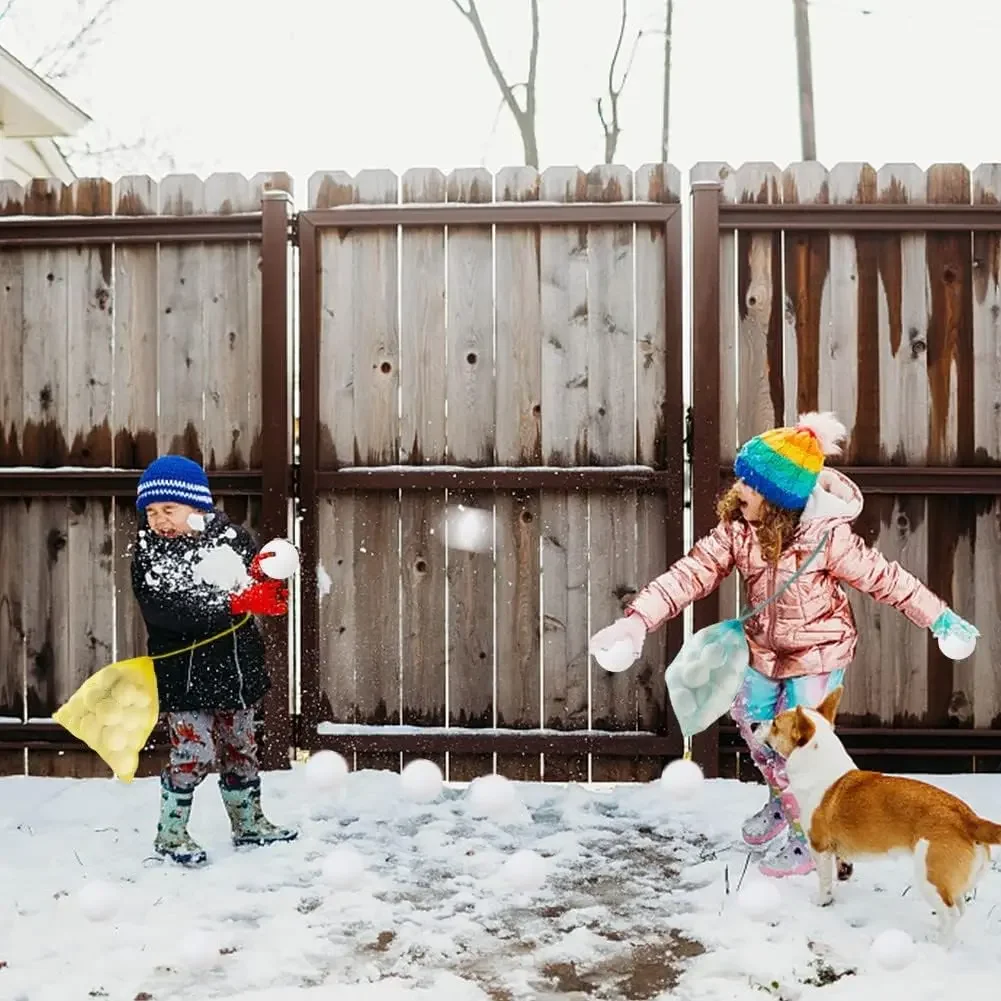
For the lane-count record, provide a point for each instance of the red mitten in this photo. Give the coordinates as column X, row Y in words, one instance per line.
column 269, row 597
column 255, row 570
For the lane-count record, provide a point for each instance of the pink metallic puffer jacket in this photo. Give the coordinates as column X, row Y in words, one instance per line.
column 810, row 629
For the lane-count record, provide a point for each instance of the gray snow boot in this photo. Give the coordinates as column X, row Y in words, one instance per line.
column 172, row 838
column 250, row 826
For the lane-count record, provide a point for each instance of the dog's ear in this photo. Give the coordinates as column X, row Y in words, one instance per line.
column 829, row 707
column 803, row 728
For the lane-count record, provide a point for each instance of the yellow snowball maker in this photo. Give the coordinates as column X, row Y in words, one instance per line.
column 113, row 712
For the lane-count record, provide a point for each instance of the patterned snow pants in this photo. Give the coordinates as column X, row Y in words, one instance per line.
column 201, row 739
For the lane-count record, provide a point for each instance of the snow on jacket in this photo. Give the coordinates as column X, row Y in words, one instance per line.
column 182, row 602
column 810, row 629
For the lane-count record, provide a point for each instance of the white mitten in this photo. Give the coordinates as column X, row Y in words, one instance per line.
column 616, row 647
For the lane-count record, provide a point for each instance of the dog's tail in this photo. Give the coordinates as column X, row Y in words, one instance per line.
column 985, row 832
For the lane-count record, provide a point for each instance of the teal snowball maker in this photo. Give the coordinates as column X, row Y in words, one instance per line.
column 705, row 677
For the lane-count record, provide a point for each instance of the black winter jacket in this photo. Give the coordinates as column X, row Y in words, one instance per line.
column 178, row 609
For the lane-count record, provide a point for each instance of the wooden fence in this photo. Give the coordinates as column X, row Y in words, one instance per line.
column 513, row 342
column 886, row 312
column 516, row 357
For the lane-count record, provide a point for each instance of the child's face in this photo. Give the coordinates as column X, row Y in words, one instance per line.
column 169, row 519
column 750, row 502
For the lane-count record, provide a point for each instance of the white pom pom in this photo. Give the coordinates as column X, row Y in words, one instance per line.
column 829, row 430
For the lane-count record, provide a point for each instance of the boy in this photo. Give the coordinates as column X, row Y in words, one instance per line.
column 208, row 693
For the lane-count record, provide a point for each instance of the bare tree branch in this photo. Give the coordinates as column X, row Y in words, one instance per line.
column 524, row 117
column 64, row 55
column 610, row 126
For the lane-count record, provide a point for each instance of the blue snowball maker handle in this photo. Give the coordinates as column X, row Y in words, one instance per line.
column 704, row 678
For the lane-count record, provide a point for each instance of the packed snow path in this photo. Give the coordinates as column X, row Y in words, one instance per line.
column 634, row 905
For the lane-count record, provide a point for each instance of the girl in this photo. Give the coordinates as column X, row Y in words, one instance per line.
column 779, row 510
column 208, row 692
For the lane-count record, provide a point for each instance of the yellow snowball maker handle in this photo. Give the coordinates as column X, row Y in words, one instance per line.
column 113, row 712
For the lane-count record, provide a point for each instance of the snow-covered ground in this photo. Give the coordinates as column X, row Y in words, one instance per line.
column 635, row 904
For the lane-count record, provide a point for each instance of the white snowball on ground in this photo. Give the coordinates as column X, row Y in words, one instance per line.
column 525, row 871
column 344, row 868
column 196, row 521
column 956, row 648
column 681, row 778
column 198, row 952
column 893, row 949
column 422, row 781
column 326, row 771
column 282, row 561
column 98, row 900
column 618, row 657
column 760, row 901
column 493, row 796
column 470, row 529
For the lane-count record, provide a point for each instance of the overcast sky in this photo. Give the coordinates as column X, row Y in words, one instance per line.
column 347, row 84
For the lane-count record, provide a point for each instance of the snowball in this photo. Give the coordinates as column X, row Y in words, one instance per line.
column 760, row 901
column 326, row 771
column 469, row 528
column 893, row 949
column 525, row 871
column 492, row 796
column 98, row 901
column 957, row 648
column 696, row 672
column 344, row 868
column 421, row 781
column 681, row 778
column 281, row 560
column 619, row 656
column 196, row 521
column 198, row 952
column 221, row 567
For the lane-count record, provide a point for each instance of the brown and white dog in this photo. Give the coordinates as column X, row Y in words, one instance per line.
column 848, row 813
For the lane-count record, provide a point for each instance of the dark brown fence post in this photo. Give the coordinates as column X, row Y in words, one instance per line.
column 276, row 403
column 705, row 408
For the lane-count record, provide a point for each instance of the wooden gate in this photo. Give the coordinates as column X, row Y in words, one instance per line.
column 512, row 343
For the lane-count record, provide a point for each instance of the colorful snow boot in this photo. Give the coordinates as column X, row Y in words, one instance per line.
column 172, row 838
column 766, row 825
column 250, row 826
column 791, row 859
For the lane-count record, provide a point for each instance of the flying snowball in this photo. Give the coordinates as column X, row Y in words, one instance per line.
column 98, row 901
column 326, row 771
column 957, row 648
column 198, row 952
column 344, row 868
column 470, row 529
column 422, row 781
column 618, row 657
column 760, row 901
column 681, row 778
column 893, row 949
column 492, row 796
column 525, row 871
column 196, row 521
column 281, row 559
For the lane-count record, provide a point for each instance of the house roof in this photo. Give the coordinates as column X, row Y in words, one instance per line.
column 31, row 108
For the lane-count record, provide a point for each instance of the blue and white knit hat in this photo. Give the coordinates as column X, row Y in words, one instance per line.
column 174, row 479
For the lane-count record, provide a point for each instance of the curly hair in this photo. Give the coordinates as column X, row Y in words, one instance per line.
column 775, row 528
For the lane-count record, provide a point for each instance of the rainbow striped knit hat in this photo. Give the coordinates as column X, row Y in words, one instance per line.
column 783, row 464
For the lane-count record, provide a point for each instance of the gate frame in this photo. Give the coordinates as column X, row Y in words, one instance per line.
column 314, row 481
